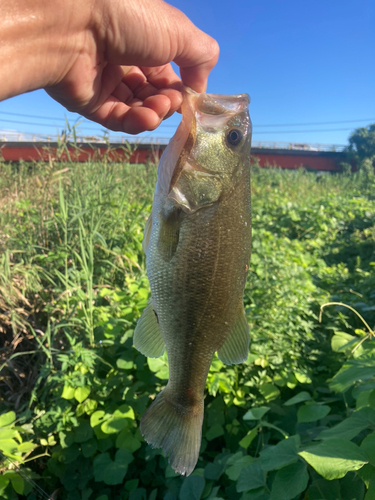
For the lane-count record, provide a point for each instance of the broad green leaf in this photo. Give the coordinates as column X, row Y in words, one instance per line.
column 81, row 393
column 269, row 391
column 280, row 455
column 89, row 448
column 8, row 446
column 8, row 433
column 109, row 471
column 192, row 488
column 370, row 495
column 98, row 417
column 68, row 392
column 321, row 489
column 366, row 473
column 302, row 377
column 350, row 427
column 4, row 481
column 352, row 487
column 343, row 341
column 213, row 471
column 123, row 364
column 251, row 477
column 26, row 446
column 353, row 371
column 289, row 482
column 248, row 439
column 7, row 418
column 17, row 483
column 312, row 412
column 256, row 413
column 298, row 398
column 214, row 432
column 83, row 432
column 126, row 441
column 333, row 458
column 235, row 467
column 368, row 446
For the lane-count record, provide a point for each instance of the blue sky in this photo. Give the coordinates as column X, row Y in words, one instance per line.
column 302, row 62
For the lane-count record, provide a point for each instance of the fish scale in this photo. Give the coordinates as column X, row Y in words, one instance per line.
column 197, row 243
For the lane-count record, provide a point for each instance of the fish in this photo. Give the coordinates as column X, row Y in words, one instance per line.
column 197, row 242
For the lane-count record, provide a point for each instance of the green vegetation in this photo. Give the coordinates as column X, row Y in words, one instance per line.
column 296, row 421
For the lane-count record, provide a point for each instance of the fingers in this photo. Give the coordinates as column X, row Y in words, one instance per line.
column 152, row 33
column 134, row 119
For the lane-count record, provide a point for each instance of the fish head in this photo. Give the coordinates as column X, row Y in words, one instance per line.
column 210, row 152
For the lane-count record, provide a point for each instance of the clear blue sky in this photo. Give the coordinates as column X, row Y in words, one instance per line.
column 301, row 62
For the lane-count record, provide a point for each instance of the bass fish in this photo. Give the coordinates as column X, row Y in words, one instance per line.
column 197, row 244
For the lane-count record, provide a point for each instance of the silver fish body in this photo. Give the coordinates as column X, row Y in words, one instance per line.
column 197, row 242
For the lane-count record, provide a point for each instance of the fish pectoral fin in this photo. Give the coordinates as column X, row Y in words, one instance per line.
column 147, row 334
column 147, row 234
column 236, row 346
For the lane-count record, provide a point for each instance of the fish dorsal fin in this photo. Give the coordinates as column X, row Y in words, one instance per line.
column 147, row 334
column 236, row 346
column 147, row 234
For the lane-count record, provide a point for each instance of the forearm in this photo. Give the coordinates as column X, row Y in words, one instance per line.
column 34, row 44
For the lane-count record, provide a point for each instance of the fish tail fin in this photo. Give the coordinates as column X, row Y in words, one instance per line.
column 176, row 429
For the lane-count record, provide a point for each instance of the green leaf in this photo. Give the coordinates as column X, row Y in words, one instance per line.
column 7, row 418
column 68, row 392
column 81, row 393
column 109, row 471
column 8, row 446
column 269, row 391
column 312, row 412
column 289, row 482
column 333, row 458
column 123, row 364
column 126, row 441
column 26, row 446
column 368, row 446
column 324, row 490
column 214, row 432
column 236, row 466
column 370, row 495
column 342, row 341
column 302, row 377
column 350, row 427
column 89, row 448
column 248, row 439
column 281, row 455
column 213, row 471
column 120, row 419
column 352, row 372
column 298, row 398
column 256, row 413
column 4, row 481
column 83, row 432
column 251, row 477
column 17, row 483
column 192, row 488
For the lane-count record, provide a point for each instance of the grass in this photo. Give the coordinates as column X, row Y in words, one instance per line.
column 73, row 283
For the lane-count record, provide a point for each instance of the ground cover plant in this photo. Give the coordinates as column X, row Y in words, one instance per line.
column 296, row 421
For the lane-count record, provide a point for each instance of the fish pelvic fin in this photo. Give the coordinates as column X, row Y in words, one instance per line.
column 235, row 349
column 147, row 337
column 176, row 429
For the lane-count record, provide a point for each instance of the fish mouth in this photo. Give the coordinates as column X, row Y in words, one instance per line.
column 217, row 104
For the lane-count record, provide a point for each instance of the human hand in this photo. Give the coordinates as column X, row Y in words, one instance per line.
column 109, row 60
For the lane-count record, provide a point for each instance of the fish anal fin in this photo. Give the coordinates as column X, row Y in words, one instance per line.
column 235, row 349
column 147, row 234
column 147, row 334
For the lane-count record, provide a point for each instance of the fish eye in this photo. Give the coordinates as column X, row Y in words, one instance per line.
column 234, row 136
